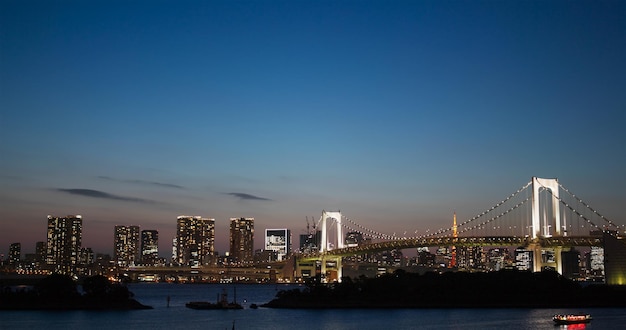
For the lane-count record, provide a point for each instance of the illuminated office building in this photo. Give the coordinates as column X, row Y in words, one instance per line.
column 242, row 239
column 279, row 241
column 596, row 261
column 195, row 241
column 126, row 245
column 149, row 247
column 524, row 259
column 64, row 243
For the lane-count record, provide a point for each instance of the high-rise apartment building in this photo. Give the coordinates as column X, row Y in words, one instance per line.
column 40, row 252
column 64, row 243
column 149, row 247
column 242, row 239
column 195, row 241
column 15, row 253
column 126, row 241
column 279, row 241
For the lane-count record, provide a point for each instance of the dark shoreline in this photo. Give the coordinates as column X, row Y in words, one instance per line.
column 504, row 289
column 59, row 292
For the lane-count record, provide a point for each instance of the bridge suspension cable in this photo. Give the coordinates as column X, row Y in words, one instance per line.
column 496, row 217
column 366, row 231
column 587, row 206
column 579, row 214
column 497, row 205
column 376, row 234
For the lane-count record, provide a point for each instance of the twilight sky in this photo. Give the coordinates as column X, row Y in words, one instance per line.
column 397, row 113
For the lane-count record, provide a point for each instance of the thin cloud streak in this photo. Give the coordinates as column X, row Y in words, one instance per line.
column 101, row 194
column 244, row 196
column 143, row 182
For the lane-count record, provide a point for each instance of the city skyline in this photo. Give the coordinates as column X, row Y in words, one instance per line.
column 393, row 112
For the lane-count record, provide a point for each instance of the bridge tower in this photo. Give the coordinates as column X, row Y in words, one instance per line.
column 555, row 220
column 331, row 266
column 551, row 226
column 336, row 216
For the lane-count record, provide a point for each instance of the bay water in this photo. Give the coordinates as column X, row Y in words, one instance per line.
column 177, row 316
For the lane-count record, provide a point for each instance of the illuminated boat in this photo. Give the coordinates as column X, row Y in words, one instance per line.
column 571, row 318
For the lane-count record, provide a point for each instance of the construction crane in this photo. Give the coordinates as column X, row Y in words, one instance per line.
column 307, row 225
column 311, row 241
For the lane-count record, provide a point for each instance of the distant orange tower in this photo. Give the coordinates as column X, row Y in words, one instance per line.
column 455, row 235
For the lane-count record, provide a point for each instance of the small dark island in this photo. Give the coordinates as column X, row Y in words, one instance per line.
column 60, row 292
column 503, row 289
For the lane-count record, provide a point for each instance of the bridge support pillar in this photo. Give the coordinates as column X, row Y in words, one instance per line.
column 546, row 257
column 331, row 269
column 325, row 269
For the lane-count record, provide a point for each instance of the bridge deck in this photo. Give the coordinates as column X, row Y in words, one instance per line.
column 409, row 243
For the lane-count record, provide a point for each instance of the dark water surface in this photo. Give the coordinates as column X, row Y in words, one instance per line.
column 177, row 316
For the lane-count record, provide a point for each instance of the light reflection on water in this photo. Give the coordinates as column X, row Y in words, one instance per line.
column 178, row 316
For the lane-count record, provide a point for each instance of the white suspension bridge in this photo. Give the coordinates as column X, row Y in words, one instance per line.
column 541, row 215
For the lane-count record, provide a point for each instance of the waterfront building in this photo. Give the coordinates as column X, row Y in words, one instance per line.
column 279, row 241
column 174, row 259
column 15, row 253
column 64, row 237
column 149, row 247
column 524, row 259
column 615, row 260
column 571, row 264
column 195, row 241
column 126, row 242
column 242, row 239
